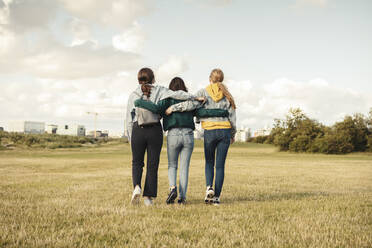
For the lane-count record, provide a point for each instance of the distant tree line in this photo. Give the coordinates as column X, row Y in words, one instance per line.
column 50, row 141
column 298, row 133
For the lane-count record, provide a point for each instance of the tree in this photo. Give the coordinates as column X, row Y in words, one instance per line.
column 299, row 133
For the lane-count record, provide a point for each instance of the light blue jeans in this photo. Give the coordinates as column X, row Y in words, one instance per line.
column 180, row 144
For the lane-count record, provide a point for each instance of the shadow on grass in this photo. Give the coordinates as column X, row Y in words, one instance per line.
column 228, row 199
column 275, row 197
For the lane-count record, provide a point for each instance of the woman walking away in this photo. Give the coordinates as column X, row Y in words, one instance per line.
column 180, row 138
column 219, row 133
column 145, row 133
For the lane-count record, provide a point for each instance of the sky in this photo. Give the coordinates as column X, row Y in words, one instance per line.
column 60, row 59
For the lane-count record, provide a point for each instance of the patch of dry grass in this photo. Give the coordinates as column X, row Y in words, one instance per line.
column 80, row 198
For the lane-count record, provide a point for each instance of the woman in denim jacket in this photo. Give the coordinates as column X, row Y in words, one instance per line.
column 180, row 138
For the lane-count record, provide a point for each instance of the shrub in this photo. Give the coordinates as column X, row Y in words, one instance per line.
column 298, row 133
column 370, row 143
column 257, row 139
column 16, row 137
column 29, row 140
column 332, row 144
column 301, row 143
column 51, row 141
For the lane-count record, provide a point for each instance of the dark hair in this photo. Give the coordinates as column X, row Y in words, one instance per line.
column 146, row 89
column 146, row 76
column 177, row 84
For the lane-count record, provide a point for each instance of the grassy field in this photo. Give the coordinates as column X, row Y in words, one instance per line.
column 80, row 198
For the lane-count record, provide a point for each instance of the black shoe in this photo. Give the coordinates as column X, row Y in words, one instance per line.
column 181, row 201
column 172, row 196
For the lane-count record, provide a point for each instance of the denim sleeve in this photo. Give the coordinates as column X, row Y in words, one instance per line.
column 186, row 106
column 130, row 115
column 232, row 119
column 200, row 93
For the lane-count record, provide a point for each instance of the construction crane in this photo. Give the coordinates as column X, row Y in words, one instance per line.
column 95, row 122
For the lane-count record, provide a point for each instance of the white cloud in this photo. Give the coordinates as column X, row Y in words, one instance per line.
column 131, row 40
column 81, row 32
column 173, row 67
column 208, row 3
column 310, row 3
column 66, row 101
column 259, row 106
column 53, row 60
column 7, row 41
column 54, row 44
column 4, row 13
column 115, row 13
column 26, row 15
column 29, row 45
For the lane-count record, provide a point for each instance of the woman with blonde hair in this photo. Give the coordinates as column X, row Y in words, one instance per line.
column 219, row 133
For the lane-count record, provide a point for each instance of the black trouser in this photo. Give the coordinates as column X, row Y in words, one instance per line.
column 150, row 139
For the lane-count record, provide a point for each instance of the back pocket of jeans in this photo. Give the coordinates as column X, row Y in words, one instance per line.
column 188, row 139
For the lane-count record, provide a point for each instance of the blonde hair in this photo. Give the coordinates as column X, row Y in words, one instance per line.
column 217, row 77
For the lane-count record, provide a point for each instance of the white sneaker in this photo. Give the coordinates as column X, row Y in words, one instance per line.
column 136, row 195
column 216, row 201
column 209, row 195
column 147, row 201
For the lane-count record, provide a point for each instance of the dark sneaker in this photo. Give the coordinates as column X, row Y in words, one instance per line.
column 209, row 194
column 181, row 201
column 216, row 201
column 172, row 196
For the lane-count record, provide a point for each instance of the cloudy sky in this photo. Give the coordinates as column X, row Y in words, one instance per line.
column 62, row 58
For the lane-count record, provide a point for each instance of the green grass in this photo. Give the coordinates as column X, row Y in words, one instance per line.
column 80, row 198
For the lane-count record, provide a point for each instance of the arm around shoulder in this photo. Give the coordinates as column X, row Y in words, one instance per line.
column 185, row 106
column 178, row 95
column 205, row 113
column 148, row 105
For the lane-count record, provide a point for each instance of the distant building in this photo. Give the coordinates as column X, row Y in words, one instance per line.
column 262, row 132
column 51, row 128
column 91, row 133
column 242, row 135
column 74, row 130
column 99, row 134
column 29, row 127
column 1, row 129
column 105, row 133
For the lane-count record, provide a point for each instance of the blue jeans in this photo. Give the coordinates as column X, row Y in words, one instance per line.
column 216, row 140
column 180, row 143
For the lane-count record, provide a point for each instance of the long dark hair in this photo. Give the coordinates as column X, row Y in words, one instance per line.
column 177, row 84
column 146, row 78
